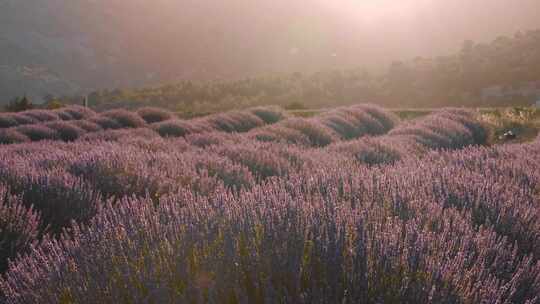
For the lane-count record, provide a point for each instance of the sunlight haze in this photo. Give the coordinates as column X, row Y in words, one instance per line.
column 115, row 43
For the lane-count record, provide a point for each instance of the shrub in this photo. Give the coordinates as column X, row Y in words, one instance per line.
column 86, row 125
column 23, row 120
column 19, row 104
column 234, row 176
column 315, row 226
column 444, row 130
column 106, row 123
column 125, row 118
column 279, row 133
column 120, row 135
column 19, row 227
column 327, row 261
column 53, row 104
column 12, row 136
column 423, row 136
column 59, row 197
column 318, row 134
column 66, row 131
column 206, row 139
column 467, row 119
column 116, row 173
column 63, row 115
column 257, row 158
column 458, row 134
column 364, row 120
column 153, row 115
column 37, row 132
column 347, row 126
column 127, row 135
column 245, row 121
column 173, row 128
column 79, row 112
column 386, row 118
column 371, row 151
column 269, row 115
column 234, row 121
column 7, row 120
column 41, row 115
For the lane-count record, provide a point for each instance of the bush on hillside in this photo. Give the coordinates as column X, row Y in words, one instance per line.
column 64, row 115
column 11, row 136
column 66, row 131
column 386, row 118
column 23, row 120
column 41, row 115
column 87, row 125
column 153, row 115
column 105, row 123
column 125, row 118
column 79, row 112
column 318, row 134
column 19, row 227
column 38, row 132
column 173, row 128
column 269, row 114
column 7, row 120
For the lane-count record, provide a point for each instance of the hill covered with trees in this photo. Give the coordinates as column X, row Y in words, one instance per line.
column 510, row 64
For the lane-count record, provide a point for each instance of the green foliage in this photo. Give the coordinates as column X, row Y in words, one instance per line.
column 522, row 121
column 54, row 104
column 295, row 106
column 19, row 105
column 509, row 64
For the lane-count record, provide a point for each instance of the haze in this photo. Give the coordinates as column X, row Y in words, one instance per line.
column 115, row 43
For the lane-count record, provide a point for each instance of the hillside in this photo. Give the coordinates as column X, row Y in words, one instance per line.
column 353, row 205
column 62, row 47
column 465, row 78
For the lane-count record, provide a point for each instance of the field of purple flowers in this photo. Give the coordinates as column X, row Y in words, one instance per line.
column 351, row 206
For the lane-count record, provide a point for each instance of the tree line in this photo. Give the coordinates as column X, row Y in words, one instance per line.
column 454, row 80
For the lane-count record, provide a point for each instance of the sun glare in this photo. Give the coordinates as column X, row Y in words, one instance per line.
column 371, row 12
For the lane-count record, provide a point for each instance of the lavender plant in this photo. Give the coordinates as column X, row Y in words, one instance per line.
column 19, row 227
column 153, row 115
column 423, row 214
column 37, row 132
column 12, row 136
column 125, row 119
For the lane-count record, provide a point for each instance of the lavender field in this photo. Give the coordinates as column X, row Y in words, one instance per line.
column 349, row 206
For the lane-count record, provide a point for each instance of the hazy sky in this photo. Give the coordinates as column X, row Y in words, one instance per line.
column 350, row 32
column 387, row 29
column 201, row 39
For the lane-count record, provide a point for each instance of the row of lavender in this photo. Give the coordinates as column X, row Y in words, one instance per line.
column 348, row 130
column 341, row 124
column 337, row 125
column 66, row 182
column 447, row 227
column 10, row 120
column 266, row 124
column 445, row 129
column 51, row 125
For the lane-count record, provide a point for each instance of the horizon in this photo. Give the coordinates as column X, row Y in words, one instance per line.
column 69, row 47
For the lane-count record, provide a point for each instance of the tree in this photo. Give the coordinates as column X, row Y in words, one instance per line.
column 19, row 105
column 54, row 104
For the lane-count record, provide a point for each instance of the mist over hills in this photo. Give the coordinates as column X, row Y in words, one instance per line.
column 66, row 47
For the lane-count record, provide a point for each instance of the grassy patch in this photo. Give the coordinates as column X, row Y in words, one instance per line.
column 522, row 121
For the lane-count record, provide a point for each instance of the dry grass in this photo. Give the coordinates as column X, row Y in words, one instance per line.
column 522, row 121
